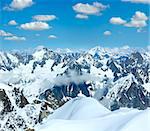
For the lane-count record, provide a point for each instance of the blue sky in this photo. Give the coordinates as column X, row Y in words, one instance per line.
column 73, row 23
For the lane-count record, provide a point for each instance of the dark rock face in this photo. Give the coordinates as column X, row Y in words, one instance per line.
column 138, row 57
column 14, row 121
column 21, row 101
column 114, row 105
column 66, row 91
column 96, row 56
column 6, row 64
column 73, row 66
column 72, row 90
column 52, row 101
column 14, row 100
column 98, row 64
column 5, row 101
column 23, row 58
column 113, row 67
column 134, row 97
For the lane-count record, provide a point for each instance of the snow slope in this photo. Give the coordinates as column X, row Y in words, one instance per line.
column 76, row 108
column 78, row 115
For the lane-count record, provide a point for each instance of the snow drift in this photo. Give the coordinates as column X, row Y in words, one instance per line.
column 86, row 114
column 80, row 108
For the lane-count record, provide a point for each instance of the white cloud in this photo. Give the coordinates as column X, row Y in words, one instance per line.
column 4, row 33
column 107, row 33
column 10, row 36
column 139, row 16
column 138, row 20
column 136, row 24
column 52, row 37
column 88, row 9
column 35, row 26
column 12, row 22
column 15, row 38
column 138, row 1
column 19, row 5
column 44, row 17
column 117, row 21
column 82, row 16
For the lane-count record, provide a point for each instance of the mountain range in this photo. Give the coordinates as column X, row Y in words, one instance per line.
column 34, row 85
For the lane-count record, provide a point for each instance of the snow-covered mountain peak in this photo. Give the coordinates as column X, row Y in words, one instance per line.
column 97, row 51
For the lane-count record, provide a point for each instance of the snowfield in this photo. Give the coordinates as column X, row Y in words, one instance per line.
column 86, row 114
